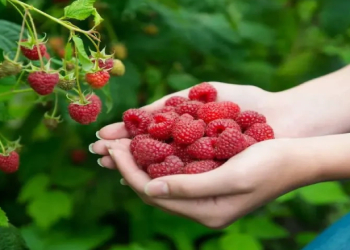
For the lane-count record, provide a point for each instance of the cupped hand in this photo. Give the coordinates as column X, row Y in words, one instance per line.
column 218, row 197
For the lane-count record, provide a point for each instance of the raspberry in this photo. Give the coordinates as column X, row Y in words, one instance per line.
column 95, row 99
column 187, row 132
column 32, row 53
column 176, row 101
column 106, row 64
column 260, row 132
column 203, row 149
column 164, row 110
column 231, row 108
column 186, row 117
column 84, row 113
column 9, row 163
column 181, row 152
column 248, row 118
column 10, row 68
column 189, row 107
column 78, row 156
column 118, row 68
column 216, row 127
column 136, row 140
column 230, row 143
column 42, row 82
column 136, row 121
column 98, row 79
column 198, row 167
column 150, row 151
column 203, row 92
column 170, row 166
column 250, row 140
column 162, row 125
column 120, row 51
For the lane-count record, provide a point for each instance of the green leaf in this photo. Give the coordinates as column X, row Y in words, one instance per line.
column 334, row 16
column 4, row 222
column 287, row 196
column 9, row 80
column 72, row 177
column 4, row 113
column 49, row 208
column 4, row 2
column 180, row 81
column 304, row 238
column 68, row 52
column 83, row 57
column 239, row 241
column 82, row 9
column 33, row 188
column 263, row 228
column 323, row 193
column 9, row 35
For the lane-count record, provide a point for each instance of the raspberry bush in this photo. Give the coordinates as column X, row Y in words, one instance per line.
column 70, row 67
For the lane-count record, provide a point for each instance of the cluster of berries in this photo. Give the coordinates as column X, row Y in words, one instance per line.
column 192, row 135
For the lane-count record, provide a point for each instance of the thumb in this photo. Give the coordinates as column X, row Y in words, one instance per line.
column 213, row 183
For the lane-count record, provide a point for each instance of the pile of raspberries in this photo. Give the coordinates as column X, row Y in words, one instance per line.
column 192, row 135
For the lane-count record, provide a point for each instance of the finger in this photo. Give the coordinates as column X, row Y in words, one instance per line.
column 100, row 147
column 106, row 162
column 220, row 181
column 118, row 130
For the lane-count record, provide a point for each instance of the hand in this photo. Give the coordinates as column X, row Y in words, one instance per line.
column 217, row 198
column 247, row 97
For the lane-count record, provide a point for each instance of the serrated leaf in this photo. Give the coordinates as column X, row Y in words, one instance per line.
column 4, row 2
column 239, row 241
column 180, row 81
column 263, row 228
column 323, row 193
column 4, row 222
column 34, row 188
column 9, row 35
column 82, row 9
column 49, row 208
column 83, row 57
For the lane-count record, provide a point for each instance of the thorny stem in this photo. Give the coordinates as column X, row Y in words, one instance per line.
column 21, row 35
column 68, row 26
column 36, row 40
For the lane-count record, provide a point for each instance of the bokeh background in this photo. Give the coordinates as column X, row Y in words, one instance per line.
column 60, row 199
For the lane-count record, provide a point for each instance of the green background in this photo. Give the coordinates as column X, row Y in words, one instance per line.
column 61, row 203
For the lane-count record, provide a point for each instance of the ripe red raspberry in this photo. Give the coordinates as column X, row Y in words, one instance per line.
column 248, row 118
column 186, row 117
column 170, row 166
column 78, row 156
column 98, row 79
column 198, row 167
column 231, row 108
column 180, row 151
column 176, row 101
column 250, row 140
column 203, row 92
column 216, row 127
column 84, row 113
column 161, row 125
column 42, row 82
column 94, row 98
column 9, row 163
column 203, row 149
column 136, row 121
column 217, row 110
column 230, row 143
column 189, row 107
column 260, row 132
column 32, row 53
column 187, row 132
column 164, row 110
column 136, row 140
column 150, row 151
column 106, row 64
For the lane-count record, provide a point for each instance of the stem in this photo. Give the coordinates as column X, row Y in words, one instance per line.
column 93, row 42
column 2, row 147
column 36, row 40
column 16, row 91
column 21, row 36
column 81, row 96
column 20, row 12
column 68, row 26
column 55, row 108
column 19, row 80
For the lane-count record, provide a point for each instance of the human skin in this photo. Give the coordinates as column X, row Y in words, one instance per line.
column 309, row 148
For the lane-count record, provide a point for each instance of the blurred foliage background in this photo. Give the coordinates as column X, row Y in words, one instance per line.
column 61, row 200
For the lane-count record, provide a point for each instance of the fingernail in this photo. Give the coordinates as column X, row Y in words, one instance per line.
column 110, row 151
column 122, row 182
column 99, row 162
column 157, row 188
column 98, row 136
column 90, row 148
